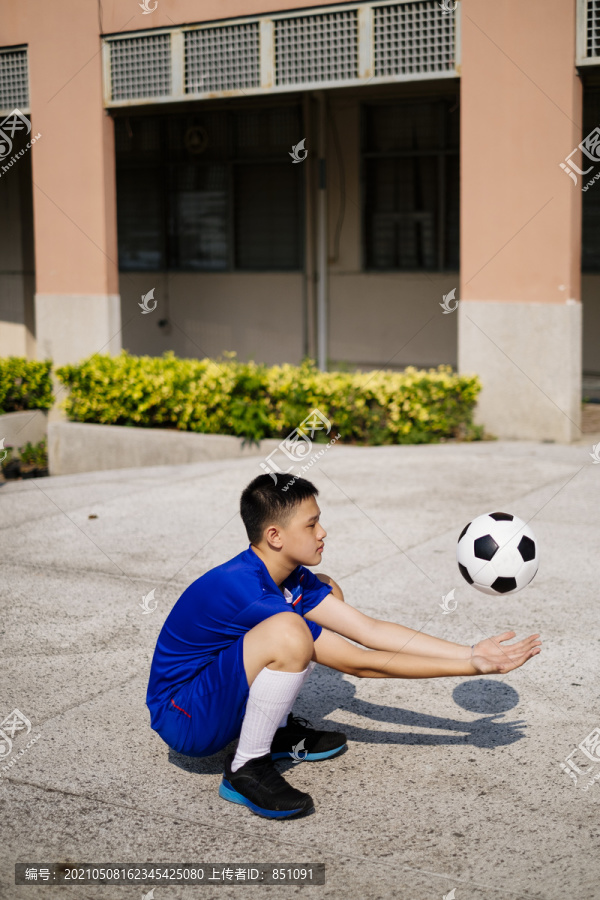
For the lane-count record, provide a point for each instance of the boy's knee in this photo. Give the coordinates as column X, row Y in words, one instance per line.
column 292, row 623
column 293, row 631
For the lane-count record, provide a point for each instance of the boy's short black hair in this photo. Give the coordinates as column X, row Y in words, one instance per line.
column 264, row 503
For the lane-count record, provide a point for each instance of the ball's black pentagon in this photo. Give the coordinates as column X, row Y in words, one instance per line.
column 463, row 532
column 527, row 548
column 501, row 517
column 485, row 547
column 464, row 573
column 504, row 585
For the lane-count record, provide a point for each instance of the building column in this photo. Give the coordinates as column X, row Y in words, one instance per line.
column 77, row 304
column 520, row 309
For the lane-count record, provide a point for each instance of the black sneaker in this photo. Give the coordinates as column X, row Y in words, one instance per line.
column 299, row 742
column 259, row 786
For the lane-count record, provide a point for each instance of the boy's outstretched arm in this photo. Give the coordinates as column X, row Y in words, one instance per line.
column 334, row 651
column 488, row 655
column 381, row 635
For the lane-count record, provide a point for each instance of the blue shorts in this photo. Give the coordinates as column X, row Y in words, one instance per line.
column 206, row 713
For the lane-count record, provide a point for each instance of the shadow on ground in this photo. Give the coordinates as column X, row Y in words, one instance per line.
column 490, row 698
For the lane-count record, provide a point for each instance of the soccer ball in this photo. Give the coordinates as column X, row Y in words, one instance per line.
column 497, row 553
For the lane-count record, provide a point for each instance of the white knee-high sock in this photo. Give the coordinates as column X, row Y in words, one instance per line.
column 307, row 672
column 271, row 693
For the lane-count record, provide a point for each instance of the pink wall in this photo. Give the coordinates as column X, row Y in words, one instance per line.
column 73, row 162
column 118, row 15
column 521, row 104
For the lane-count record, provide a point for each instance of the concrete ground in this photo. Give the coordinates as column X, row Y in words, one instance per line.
column 450, row 784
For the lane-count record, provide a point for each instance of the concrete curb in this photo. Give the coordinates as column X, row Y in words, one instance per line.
column 75, row 447
column 17, row 428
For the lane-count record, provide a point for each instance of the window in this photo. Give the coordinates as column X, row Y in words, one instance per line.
column 215, row 191
column 411, row 185
column 590, row 238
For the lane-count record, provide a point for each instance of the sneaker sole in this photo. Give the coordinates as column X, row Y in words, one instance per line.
column 227, row 792
column 310, row 757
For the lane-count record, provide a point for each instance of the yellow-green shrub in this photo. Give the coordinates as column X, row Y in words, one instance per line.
column 25, row 384
column 255, row 401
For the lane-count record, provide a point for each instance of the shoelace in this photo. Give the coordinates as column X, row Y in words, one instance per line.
column 299, row 721
column 269, row 775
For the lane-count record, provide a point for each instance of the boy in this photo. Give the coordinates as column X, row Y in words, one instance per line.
column 241, row 640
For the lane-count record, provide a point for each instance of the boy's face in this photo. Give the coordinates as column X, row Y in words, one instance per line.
column 302, row 539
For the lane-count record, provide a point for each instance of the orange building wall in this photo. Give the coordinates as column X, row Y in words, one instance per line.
column 520, row 213
column 73, row 194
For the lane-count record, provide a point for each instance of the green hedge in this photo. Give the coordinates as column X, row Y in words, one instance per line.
column 255, row 401
column 25, row 384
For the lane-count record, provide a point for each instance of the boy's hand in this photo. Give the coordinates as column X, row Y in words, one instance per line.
column 490, row 658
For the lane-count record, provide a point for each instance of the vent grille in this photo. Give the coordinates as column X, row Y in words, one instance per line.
column 363, row 42
column 14, row 80
column 316, row 48
column 141, row 67
column 413, row 38
column 222, row 59
column 593, row 28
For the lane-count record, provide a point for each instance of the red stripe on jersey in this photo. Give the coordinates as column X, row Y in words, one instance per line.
column 179, row 707
column 297, row 600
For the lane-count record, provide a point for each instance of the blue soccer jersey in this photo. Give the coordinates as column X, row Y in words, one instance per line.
column 214, row 612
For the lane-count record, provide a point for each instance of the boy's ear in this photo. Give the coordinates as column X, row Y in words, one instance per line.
column 272, row 536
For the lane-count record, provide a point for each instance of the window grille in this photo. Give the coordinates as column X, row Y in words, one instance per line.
column 413, row 38
column 222, row 59
column 587, row 43
column 141, row 67
column 316, row 48
column 593, row 28
column 359, row 43
column 14, row 80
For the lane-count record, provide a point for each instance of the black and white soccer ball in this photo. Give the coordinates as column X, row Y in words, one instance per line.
column 497, row 553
